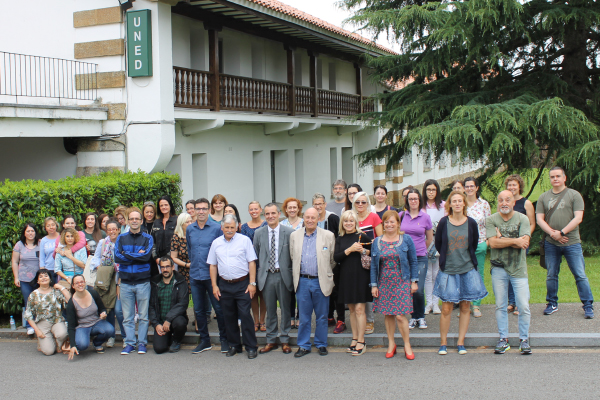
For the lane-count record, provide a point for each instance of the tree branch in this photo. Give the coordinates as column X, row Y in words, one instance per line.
column 539, row 175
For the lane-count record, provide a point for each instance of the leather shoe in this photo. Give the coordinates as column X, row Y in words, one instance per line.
column 268, row 348
column 301, row 352
column 251, row 354
column 286, row 348
column 232, row 352
column 323, row 351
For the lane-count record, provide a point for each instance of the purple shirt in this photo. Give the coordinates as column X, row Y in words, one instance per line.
column 415, row 228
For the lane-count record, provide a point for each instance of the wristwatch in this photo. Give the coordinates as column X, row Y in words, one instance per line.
column 364, row 251
column 562, row 233
column 253, row 283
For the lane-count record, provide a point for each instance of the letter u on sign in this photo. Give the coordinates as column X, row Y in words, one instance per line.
column 137, row 22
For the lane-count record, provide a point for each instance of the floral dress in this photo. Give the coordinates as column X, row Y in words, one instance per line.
column 180, row 246
column 479, row 211
column 394, row 292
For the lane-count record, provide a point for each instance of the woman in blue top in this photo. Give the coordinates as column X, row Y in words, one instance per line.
column 259, row 310
column 394, row 277
column 70, row 264
column 47, row 246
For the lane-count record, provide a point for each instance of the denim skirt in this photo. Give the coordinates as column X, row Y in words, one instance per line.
column 460, row 287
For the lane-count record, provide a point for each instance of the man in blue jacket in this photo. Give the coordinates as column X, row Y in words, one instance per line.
column 133, row 251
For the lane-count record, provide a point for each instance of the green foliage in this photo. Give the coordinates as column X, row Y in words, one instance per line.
column 512, row 84
column 32, row 201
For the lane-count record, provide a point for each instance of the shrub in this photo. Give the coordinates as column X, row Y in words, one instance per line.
column 32, row 201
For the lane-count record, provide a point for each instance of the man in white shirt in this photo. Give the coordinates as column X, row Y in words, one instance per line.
column 233, row 259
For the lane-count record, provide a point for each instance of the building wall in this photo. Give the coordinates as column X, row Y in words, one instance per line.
column 235, row 161
column 35, row 158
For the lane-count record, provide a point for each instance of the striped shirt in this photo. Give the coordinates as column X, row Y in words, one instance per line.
column 308, row 263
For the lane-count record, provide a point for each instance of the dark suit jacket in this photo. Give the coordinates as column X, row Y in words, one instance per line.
column 261, row 247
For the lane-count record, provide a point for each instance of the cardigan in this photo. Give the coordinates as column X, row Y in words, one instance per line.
column 441, row 240
column 72, row 321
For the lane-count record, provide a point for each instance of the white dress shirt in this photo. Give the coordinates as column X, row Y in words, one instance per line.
column 231, row 257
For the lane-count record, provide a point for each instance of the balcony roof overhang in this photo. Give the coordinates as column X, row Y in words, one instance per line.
column 259, row 20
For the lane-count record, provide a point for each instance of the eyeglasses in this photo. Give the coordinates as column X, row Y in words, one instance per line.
column 360, row 202
column 413, row 199
column 166, row 266
column 201, row 209
column 470, row 187
column 135, row 219
column 149, row 203
column 431, row 190
column 318, row 204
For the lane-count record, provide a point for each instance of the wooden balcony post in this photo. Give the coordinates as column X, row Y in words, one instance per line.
column 213, row 61
column 291, row 77
column 313, row 83
column 359, row 90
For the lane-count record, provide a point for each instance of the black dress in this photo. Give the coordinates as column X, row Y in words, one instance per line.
column 354, row 279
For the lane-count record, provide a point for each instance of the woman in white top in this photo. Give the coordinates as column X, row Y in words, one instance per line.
column 434, row 207
column 479, row 210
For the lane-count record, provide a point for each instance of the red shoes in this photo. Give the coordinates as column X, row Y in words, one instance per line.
column 392, row 354
column 409, row 357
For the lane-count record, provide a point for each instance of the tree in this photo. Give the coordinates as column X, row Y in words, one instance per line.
column 510, row 83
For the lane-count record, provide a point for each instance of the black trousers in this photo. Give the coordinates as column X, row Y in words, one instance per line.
column 236, row 304
column 340, row 309
column 176, row 333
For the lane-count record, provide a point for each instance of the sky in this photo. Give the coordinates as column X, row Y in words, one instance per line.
column 328, row 10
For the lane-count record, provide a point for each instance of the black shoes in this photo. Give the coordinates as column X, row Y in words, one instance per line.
column 251, row 354
column 301, row 352
column 233, row 351
column 323, row 351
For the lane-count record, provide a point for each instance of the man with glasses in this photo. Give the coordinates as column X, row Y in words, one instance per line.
column 169, row 300
column 133, row 251
column 200, row 236
column 339, row 197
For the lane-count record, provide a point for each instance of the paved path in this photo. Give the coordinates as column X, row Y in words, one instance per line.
column 548, row 373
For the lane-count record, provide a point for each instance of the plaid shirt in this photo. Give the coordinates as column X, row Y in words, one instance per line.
column 165, row 293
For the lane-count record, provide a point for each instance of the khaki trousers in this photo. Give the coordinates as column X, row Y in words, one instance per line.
column 55, row 334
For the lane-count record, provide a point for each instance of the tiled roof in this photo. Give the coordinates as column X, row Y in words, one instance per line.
column 301, row 15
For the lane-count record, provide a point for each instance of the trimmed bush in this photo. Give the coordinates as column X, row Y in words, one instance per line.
column 32, row 201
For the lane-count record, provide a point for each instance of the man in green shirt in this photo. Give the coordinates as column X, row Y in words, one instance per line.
column 508, row 233
column 169, row 298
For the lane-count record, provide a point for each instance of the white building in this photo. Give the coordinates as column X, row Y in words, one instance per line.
column 229, row 103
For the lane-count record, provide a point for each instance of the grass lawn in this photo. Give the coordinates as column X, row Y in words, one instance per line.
column 567, row 291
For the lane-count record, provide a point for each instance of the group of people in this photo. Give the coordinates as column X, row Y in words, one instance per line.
column 144, row 264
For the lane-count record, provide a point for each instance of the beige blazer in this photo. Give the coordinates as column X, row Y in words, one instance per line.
column 325, row 263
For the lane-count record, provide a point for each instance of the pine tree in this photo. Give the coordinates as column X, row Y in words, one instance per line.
column 510, row 83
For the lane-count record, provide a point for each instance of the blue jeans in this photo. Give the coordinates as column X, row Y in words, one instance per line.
column 101, row 331
column 419, row 295
column 500, row 282
column 116, row 313
column 574, row 256
column 26, row 289
column 310, row 297
column 201, row 290
column 130, row 294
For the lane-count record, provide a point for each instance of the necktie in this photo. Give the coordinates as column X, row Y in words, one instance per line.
column 272, row 253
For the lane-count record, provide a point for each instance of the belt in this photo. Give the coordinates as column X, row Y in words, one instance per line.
column 308, row 276
column 277, row 270
column 235, row 280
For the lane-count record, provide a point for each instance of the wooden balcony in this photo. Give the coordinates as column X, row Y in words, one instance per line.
column 195, row 89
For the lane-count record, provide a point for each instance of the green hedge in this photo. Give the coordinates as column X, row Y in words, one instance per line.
column 32, row 201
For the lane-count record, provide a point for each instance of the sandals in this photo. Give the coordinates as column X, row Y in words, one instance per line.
column 357, row 352
column 510, row 308
column 351, row 348
column 263, row 327
column 100, row 350
column 476, row 312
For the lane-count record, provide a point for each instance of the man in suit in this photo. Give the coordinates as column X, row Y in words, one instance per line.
column 311, row 249
column 274, row 276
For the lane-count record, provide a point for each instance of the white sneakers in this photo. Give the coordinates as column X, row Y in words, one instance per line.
column 436, row 309
column 428, row 309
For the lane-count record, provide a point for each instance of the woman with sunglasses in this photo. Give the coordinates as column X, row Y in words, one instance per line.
column 479, row 210
column 86, row 318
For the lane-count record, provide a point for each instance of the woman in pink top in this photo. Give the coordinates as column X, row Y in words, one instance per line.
column 434, row 207
column 69, row 222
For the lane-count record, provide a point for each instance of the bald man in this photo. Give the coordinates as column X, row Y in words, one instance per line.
column 311, row 250
column 509, row 233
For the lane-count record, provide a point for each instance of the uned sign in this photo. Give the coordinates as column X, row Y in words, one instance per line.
column 139, row 43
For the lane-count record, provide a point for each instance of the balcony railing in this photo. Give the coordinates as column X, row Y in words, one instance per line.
column 35, row 76
column 193, row 89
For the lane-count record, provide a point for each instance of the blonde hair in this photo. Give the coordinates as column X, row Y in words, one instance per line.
column 254, row 202
column 72, row 232
column 345, row 216
column 448, row 206
column 48, row 219
column 181, row 219
column 123, row 211
column 360, row 194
